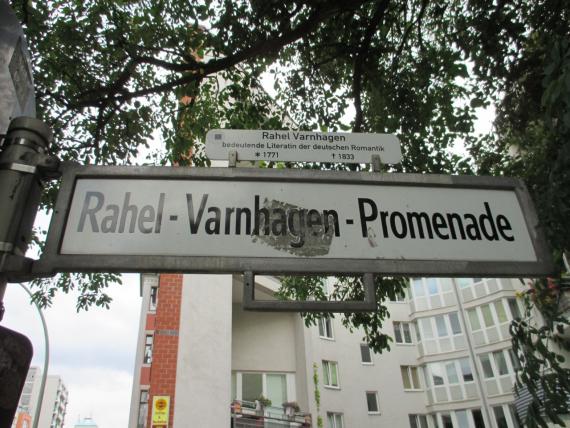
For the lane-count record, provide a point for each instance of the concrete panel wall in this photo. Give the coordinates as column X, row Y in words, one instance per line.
column 203, row 386
column 263, row 342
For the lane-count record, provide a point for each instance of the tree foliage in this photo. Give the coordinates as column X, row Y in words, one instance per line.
column 538, row 338
column 113, row 78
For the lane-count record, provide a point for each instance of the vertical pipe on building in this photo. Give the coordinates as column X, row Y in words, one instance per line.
column 46, row 361
column 479, row 383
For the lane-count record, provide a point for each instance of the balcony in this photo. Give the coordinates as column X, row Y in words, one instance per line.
column 247, row 414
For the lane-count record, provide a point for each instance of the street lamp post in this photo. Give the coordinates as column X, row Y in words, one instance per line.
column 46, row 361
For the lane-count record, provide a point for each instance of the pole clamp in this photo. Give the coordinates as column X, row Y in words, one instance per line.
column 27, row 142
column 6, row 247
column 20, row 167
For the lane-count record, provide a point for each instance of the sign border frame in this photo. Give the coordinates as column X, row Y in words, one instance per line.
column 51, row 261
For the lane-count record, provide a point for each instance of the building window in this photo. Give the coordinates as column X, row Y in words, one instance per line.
column 468, row 282
column 501, row 362
column 418, row 421
column 431, row 293
column 402, row 332
column 249, row 386
column 153, row 298
column 440, row 333
column 446, row 373
column 500, row 310
column 474, row 319
column 418, row 287
column 441, row 326
column 252, row 386
column 432, row 286
column 478, row 418
column 147, row 359
column 514, row 417
column 410, row 377
column 451, row 371
column 462, row 418
column 454, row 321
column 335, row 420
column 143, row 409
column 487, row 367
column 487, row 316
column 365, row 355
column 514, row 308
column 276, row 388
column 372, row 402
column 466, row 370
column 500, row 417
column 514, row 360
column 464, row 282
column 498, row 363
column 325, row 328
column 446, row 420
column 330, row 374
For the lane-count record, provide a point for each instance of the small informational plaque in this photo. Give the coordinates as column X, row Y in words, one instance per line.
column 302, row 146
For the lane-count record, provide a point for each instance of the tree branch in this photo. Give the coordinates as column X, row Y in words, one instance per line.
column 116, row 92
column 359, row 62
column 407, row 33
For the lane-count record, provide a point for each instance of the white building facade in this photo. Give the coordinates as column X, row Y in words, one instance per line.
column 54, row 403
column 450, row 363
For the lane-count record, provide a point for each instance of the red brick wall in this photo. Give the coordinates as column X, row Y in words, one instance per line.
column 150, row 321
column 165, row 345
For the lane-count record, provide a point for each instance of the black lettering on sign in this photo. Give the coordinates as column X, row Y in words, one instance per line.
column 114, row 218
column 483, row 226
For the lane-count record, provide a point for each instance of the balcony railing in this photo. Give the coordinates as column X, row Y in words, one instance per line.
column 246, row 415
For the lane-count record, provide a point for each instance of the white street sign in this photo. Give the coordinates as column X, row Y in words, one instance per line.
column 302, row 146
column 301, row 221
column 223, row 220
column 210, row 218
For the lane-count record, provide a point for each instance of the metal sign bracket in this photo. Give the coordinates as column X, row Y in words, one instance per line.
column 250, row 304
column 232, row 159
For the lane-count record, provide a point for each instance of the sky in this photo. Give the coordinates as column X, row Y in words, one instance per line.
column 92, row 351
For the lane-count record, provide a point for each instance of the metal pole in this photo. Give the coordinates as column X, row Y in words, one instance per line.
column 22, row 153
column 46, row 361
column 476, row 373
column 3, row 283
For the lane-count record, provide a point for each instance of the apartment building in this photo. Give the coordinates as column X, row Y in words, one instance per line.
column 53, row 406
column 450, row 364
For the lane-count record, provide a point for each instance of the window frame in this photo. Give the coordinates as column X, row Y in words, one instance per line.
column 409, row 373
column 142, row 403
column 237, row 384
column 325, row 326
column 420, row 420
column 148, row 348
column 327, row 374
column 494, row 363
column 487, row 366
column 441, row 367
column 398, row 327
column 334, row 416
column 366, row 363
column 496, row 416
column 153, row 298
column 430, row 291
column 376, row 401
